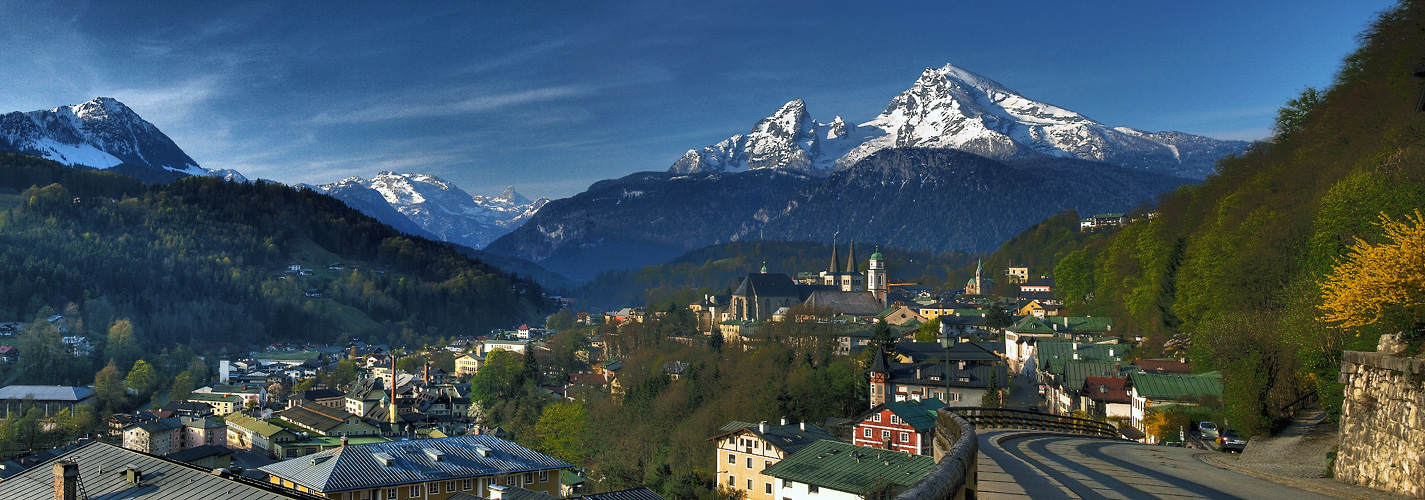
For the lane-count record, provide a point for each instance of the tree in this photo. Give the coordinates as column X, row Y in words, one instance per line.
column 1292, row 117
column 992, row 397
column 109, row 387
column 343, row 374
column 928, row 331
column 182, row 387
column 716, row 340
column 122, row 343
column 530, row 368
column 562, row 430
column 996, row 317
column 1379, row 280
column 560, row 321
column 141, row 379
column 881, row 336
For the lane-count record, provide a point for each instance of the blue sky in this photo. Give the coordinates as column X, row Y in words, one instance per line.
column 550, row 96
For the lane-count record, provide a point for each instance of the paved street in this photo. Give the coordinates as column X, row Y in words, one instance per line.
column 1092, row 469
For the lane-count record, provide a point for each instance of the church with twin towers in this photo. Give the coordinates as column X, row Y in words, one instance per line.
column 835, row 290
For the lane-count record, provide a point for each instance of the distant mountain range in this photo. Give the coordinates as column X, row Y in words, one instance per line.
column 101, row 134
column 955, row 162
column 951, row 108
column 430, row 206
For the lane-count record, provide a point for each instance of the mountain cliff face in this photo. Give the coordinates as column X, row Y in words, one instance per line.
column 102, row 134
column 429, row 206
column 951, row 108
column 914, row 198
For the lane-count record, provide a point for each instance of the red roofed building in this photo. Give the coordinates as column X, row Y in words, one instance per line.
column 906, row 426
column 1106, row 397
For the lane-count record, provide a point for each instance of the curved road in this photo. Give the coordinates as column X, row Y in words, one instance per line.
column 1092, row 469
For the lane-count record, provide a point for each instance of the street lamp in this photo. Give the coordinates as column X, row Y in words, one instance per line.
column 946, row 339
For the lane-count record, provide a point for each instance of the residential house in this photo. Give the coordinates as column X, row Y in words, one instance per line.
column 1020, row 338
column 327, row 421
column 158, row 437
column 833, row 470
column 900, row 315
column 468, row 364
column 248, row 433
column 257, row 393
column 905, row 426
column 210, row 456
column 962, row 383
column 744, row 450
column 222, row 404
column 1153, row 391
column 9, row 354
column 365, row 396
column 1105, row 397
column 203, row 431
column 330, row 398
column 518, row 346
column 450, row 467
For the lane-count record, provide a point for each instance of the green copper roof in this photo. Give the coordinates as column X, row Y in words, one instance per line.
column 1174, row 386
column 918, row 414
column 849, row 468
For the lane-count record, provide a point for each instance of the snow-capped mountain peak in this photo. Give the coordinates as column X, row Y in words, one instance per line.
column 101, row 133
column 954, row 108
column 435, row 206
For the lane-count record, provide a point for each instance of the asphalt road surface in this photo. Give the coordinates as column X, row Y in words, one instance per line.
column 1093, row 469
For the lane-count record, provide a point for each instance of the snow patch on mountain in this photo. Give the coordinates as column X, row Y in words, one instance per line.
column 436, row 206
column 953, row 108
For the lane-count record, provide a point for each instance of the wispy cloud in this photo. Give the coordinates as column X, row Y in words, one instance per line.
column 420, row 106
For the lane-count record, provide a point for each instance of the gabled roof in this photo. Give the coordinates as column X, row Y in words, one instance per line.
column 960, row 351
column 853, row 303
column 46, row 392
column 933, row 374
column 1163, row 366
column 1078, row 325
column 160, row 425
column 919, row 414
column 259, row 427
column 314, row 416
column 1076, row 372
column 788, row 438
column 162, row 479
column 767, row 285
column 849, row 468
column 199, row 453
column 1174, row 386
column 364, row 466
column 633, row 494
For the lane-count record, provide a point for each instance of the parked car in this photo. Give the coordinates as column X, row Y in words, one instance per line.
column 1231, row 441
column 1208, row 430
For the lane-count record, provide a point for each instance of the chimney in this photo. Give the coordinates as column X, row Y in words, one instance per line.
column 784, row 420
column 497, row 492
column 761, row 427
column 1076, row 354
column 804, row 425
column 66, row 480
column 343, row 441
column 223, row 371
column 426, row 375
column 1110, row 352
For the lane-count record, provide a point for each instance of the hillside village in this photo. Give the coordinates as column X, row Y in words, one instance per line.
column 273, row 412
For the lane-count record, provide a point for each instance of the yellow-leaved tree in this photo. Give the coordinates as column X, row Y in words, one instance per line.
column 1376, row 279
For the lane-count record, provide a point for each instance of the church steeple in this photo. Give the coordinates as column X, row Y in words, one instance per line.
column 851, row 264
column 834, row 269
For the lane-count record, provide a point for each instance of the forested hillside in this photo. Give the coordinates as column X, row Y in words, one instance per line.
column 1234, row 267
column 201, row 261
column 719, row 268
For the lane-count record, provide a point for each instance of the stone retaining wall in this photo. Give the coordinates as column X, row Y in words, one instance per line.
column 1383, row 423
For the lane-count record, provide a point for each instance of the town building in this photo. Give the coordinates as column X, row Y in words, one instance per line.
column 50, row 398
column 103, row 471
column 428, row 469
column 744, row 450
column 1020, row 338
column 327, row 421
column 248, row 433
column 904, row 426
column 834, row 470
column 979, row 284
column 962, row 383
column 1153, row 390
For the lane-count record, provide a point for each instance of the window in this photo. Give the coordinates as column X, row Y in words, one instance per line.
column 450, row 486
column 466, row 484
column 749, row 484
column 749, row 462
column 954, row 397
column 415, row 490
column 905, row 437
column 786, row 483
column 895, row 419
column 529, row 478
column 434, row 488
column 877, row 417
column 885, row 434
column 866, row 432
column 732, row 459
column 544, row 476
column 391, row 493
column 811, row 488
column 768, row 488
column 510, row 480
column 732, row 480
column 766, row 464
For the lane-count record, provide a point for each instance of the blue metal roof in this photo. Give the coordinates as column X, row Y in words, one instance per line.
column 357, row 466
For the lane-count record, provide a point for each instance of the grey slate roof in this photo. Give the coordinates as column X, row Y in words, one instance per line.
column 162, row 479
column 357, row 466
column 199, row 453
column 788, row 438
column 767, row 285
column 633, row 494
column 46, row 392
column 853, row 303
